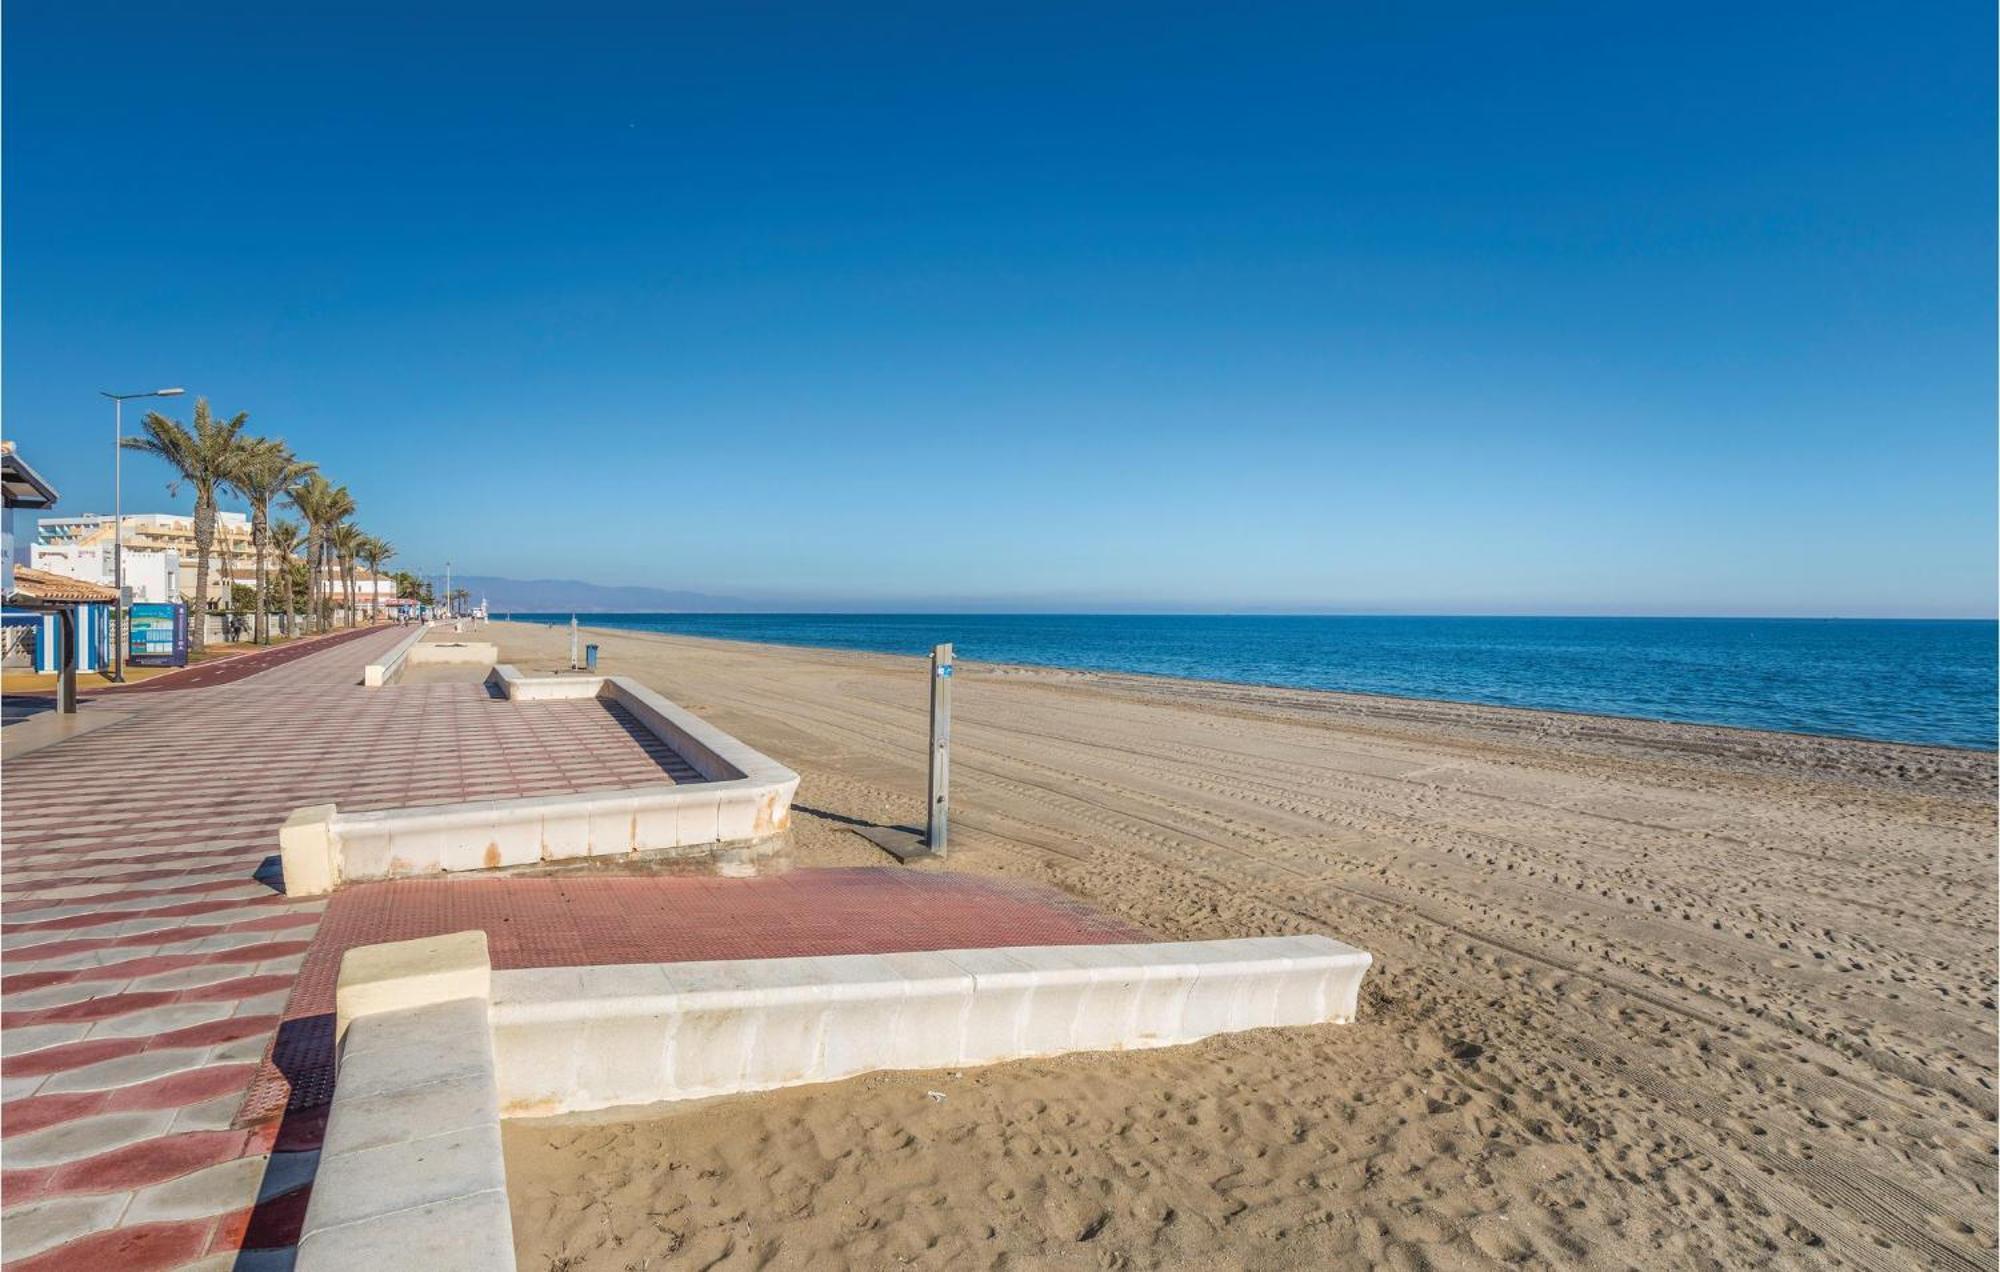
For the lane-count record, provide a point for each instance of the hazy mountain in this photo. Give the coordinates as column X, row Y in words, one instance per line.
column 569, row 595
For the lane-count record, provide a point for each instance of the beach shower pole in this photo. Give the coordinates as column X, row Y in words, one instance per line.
column 572, row 642
column 940, row 785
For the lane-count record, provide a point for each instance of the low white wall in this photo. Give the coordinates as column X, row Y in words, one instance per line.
column 520, row 688
column 747, row 796
column 572, row 1039
column 411, row 1174
column 454, row 652
column 436, row 1048
column 377, row 674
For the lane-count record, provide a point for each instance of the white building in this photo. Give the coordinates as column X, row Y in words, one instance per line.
column 232, row 560
column 154, row 577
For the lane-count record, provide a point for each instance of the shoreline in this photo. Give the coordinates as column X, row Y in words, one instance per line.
column 1976, row 769
column 1355, row 694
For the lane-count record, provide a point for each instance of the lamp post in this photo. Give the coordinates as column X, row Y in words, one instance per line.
column 118, row 610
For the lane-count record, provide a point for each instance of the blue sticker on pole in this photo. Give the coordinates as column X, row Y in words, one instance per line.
column 945, row 670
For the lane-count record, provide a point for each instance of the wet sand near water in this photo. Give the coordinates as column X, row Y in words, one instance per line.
column 1645, row 994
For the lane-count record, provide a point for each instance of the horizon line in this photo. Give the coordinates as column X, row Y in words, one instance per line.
column 1252, row 613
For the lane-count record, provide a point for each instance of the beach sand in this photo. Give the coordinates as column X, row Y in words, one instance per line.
column 1644, row 994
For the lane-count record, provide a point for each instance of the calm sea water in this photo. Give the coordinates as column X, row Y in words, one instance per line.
column 1898, row 680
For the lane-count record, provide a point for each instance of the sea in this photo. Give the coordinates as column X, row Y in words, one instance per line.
column 1899, row 680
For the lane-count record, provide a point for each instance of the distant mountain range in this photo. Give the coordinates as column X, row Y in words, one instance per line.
column 547, row 596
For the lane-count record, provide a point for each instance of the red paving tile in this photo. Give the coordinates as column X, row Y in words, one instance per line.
column 85, row 945
column 140, row 1248
column 151, row 965
column 150, row 1161
column 75, row 1055
column 182, row 910
column 567, row 921
column 18, row 1117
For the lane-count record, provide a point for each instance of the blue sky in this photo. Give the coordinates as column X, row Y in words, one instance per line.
column 1590, row 308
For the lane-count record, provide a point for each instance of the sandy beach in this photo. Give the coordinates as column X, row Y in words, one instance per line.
column 1645, row 994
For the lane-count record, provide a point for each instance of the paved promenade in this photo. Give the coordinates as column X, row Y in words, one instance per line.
column 149, row 955
column 151, row 960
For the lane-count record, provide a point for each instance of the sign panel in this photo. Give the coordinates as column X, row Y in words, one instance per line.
column 159, row 636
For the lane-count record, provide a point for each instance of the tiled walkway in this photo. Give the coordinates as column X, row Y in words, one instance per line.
column 148, row 955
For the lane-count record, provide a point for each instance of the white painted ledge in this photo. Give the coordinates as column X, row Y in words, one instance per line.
column 746, row 796
column 375, row 675
column 477, row 653
column 574, row 1039
column 411, row 1174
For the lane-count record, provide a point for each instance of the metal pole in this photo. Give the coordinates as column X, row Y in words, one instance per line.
column 572, row 642
column 118, row 540
column 940, row 786
column 67, row 618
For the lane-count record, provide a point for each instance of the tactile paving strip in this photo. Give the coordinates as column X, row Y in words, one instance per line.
column 576, row 921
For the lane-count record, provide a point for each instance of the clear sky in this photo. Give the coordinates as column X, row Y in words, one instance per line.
column 1488, row 308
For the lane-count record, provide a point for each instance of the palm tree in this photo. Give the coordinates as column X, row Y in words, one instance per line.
column 324, row 506
column 408, row 584
column 346, row 540
column 374, row 551
column 309, row 496
column 205, row 457
column 266, row 471
column 284, row 538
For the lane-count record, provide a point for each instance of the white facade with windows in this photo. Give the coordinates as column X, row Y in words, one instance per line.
column 154, row 577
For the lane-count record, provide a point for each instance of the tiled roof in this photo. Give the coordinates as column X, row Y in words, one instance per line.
column 40, row 585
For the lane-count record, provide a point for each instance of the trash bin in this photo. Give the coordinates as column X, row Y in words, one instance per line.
column 590, row 658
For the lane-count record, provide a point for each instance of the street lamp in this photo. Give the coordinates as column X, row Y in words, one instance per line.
column 118, row 609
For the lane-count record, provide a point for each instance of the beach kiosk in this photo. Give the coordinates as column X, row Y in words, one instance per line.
column 64, row 607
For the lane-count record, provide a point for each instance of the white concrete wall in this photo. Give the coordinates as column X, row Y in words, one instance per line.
column 747, row 797
column 572, row 1039
column 520, row 688
column 412, row 1174
column 436, row 1047
column 454, row 652
column 377, row 674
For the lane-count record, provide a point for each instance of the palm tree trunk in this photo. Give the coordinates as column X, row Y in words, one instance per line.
column 204, row 540
column 312, row 576
column 227, row 592
column 260, row 630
